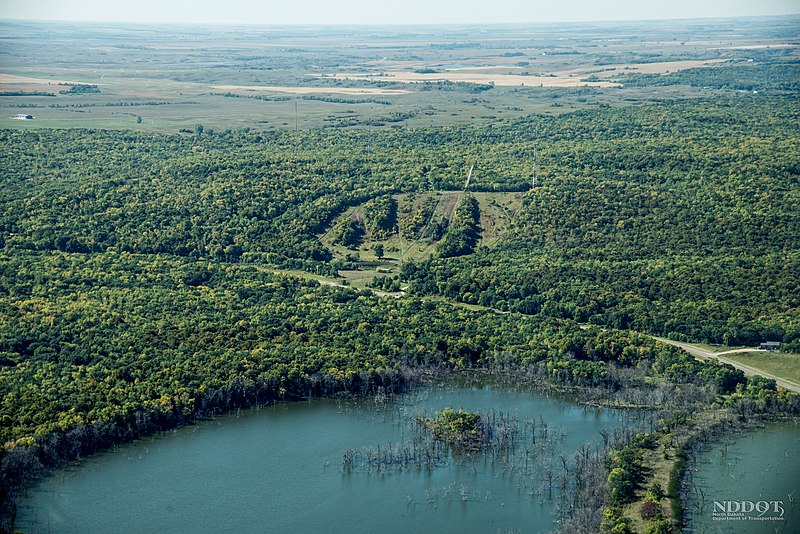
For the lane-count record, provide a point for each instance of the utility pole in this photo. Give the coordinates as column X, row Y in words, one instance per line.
column 369, row 145
column 296, row 131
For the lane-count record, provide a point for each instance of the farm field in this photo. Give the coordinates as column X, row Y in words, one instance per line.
column 150, row 78
column 519, row 76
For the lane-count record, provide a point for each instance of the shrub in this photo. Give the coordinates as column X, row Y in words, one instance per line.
column 650, row 510
column 655, row 492
column 663, row 526
column 614, row 523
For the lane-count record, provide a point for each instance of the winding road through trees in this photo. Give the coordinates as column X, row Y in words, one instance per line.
column 697, row 352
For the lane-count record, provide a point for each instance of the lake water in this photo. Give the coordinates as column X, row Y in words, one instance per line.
column 279, row 469
column 754, row 481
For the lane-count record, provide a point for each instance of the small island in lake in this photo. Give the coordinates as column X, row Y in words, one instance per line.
column 456, row 427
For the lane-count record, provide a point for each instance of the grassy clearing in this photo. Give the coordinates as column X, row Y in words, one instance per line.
column 781, row 364
column 659, row 462
column 497, row 211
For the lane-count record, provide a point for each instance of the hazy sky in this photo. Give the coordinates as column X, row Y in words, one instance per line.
column 384, row 11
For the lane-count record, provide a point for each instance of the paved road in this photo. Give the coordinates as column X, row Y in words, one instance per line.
column 702, row 354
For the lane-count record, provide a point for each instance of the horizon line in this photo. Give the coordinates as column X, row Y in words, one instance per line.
column 385, row 24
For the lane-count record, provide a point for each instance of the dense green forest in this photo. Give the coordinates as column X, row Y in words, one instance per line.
column 380, row 216
column 463, row 230
column 137, row 289
column 676, row 220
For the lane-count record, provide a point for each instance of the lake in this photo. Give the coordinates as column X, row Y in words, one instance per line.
column 280, row 469
column 748, row 484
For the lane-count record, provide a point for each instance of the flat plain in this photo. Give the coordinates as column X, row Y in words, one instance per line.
column 172, row 78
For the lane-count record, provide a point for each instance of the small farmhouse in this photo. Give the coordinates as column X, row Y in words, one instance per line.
column 770, row 345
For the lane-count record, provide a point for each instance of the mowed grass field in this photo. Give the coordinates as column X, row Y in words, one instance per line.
column 782, row 364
